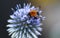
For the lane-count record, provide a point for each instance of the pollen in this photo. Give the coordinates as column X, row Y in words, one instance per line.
column 33, row 13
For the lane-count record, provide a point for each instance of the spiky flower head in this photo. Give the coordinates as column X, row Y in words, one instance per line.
column 25, row 22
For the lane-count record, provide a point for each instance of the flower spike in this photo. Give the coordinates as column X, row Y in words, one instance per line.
column 25, row 22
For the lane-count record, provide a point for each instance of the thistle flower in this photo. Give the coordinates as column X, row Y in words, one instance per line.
column 25, row 22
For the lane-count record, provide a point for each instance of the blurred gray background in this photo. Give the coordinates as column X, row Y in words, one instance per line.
column 51, row 10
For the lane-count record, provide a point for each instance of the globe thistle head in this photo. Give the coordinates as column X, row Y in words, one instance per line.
column 25, row 22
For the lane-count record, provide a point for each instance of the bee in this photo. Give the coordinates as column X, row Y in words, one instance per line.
column 33, row 13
